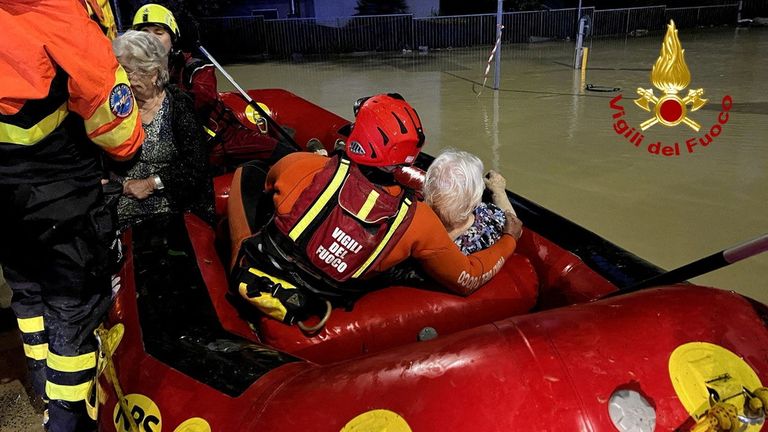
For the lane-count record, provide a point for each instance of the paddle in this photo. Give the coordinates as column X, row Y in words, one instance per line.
column 250, row 100
column 705, row 265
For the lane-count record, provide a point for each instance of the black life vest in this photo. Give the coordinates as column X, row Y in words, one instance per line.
column 343, row 224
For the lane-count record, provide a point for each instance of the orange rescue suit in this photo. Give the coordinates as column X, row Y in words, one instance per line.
column 426, row 239
column 58, row 74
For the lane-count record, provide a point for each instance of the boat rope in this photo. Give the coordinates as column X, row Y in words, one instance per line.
column 313, row 329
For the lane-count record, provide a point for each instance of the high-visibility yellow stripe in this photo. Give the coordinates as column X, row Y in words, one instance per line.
column 71, row 364
column 16, row 135
column 31, row 325
column 103, row 114
column 103, row 16
column 117, row 136
column 398, row 220
column 36, row 352
column 209, row 131
column 73, row 393
column 368, row 205
column 318, row 206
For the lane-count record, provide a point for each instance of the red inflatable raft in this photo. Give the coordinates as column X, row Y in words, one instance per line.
column 534, row 349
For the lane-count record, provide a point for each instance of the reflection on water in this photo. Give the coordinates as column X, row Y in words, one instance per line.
column 556, row 145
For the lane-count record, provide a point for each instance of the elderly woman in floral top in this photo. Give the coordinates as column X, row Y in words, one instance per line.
column 170, row 173
column 454, row 189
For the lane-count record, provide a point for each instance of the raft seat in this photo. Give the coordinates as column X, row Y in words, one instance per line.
column 396, row 315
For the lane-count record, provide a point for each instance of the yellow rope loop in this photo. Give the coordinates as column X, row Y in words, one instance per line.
column 312, row 329
column 108, row 342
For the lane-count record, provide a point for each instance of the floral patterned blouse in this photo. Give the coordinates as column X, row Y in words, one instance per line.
column 487, row 228
column 158, row 153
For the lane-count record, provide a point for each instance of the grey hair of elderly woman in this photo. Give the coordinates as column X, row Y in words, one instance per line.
column 142, row 52
column 454, row 186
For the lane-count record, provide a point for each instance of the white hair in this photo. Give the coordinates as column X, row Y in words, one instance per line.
column 454, row 186
column 143, row 52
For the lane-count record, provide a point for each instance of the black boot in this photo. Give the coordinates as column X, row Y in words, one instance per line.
column 66, row 416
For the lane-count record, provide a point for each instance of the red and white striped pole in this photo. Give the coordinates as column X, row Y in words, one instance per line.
column 494, row 53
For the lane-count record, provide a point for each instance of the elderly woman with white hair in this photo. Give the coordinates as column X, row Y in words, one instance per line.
column 171, row 172
column 454, row 187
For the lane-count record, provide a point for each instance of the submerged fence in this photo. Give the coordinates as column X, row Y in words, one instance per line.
column 242, row 37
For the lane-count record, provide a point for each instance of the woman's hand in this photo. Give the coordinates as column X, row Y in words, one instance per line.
column 495, row 182
column 513, row 226
column 139, row 188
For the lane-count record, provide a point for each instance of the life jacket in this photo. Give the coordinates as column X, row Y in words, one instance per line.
column 343, row 224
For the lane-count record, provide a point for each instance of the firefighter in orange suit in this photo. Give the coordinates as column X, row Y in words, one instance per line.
column 342, row 220
column 231, row 143
column 61, row 92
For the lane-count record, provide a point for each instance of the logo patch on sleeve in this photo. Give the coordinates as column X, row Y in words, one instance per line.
column 121, row 100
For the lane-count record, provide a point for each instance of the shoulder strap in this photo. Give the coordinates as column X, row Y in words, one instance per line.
column 322, row 201
column 404, row 215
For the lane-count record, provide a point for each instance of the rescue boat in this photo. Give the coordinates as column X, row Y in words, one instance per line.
column 549, row 344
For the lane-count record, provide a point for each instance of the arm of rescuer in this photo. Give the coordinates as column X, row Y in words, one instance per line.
column 202, row 85
column 427, row 241
column 99, row 90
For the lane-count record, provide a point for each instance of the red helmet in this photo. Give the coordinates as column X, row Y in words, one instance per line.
column 387, row 132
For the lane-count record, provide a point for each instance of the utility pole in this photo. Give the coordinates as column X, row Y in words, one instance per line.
column 579, row 40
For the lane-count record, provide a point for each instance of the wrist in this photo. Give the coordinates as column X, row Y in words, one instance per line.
column 157, row 183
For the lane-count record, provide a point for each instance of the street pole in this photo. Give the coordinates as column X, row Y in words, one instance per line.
column 579, row 40
column 497, row 70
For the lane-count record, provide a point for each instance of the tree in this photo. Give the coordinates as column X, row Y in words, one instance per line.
column 381, row 7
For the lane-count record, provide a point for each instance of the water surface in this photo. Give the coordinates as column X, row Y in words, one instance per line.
column 556, row 144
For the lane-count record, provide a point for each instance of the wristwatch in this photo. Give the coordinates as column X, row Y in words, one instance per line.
column 158, row 183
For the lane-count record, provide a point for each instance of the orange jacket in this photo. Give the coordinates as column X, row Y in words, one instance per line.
column 426, row 239
column 58, row 72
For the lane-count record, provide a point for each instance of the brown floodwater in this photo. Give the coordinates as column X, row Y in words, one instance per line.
column 556, row 143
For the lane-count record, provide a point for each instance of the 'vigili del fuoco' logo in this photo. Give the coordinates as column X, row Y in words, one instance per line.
column 671, row 76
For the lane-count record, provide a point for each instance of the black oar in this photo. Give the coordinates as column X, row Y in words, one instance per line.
column 705, row 265
column 250, row 100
